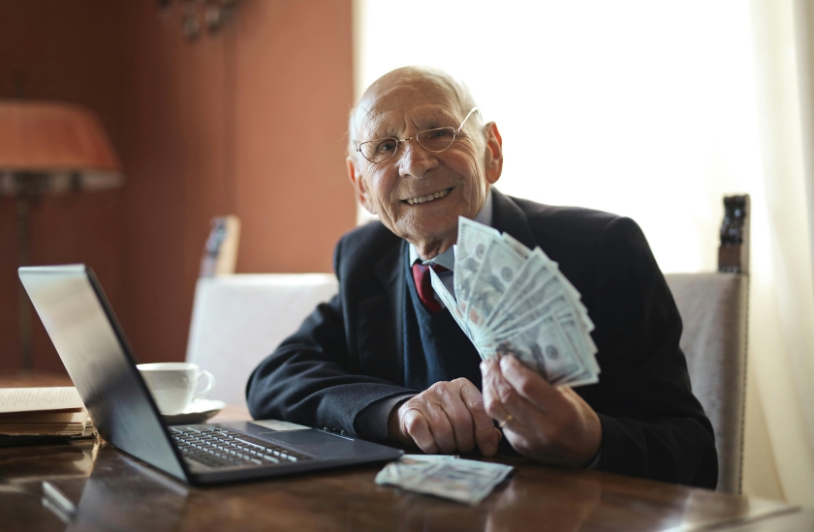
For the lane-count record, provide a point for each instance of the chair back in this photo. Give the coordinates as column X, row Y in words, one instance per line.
column 713, row 308
column 238, row 320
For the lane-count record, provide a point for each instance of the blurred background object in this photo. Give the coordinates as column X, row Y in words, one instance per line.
column 187, row 15
column 49, row 148
column 220, row 251
column 227, row 125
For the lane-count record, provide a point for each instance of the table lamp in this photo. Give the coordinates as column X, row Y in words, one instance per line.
column 49, row 148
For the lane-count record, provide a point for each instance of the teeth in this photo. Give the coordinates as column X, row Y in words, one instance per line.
column 423, row 199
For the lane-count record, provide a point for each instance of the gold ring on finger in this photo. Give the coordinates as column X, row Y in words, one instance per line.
column 506, row 421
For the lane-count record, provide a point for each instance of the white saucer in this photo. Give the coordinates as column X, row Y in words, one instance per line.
column 198, row 412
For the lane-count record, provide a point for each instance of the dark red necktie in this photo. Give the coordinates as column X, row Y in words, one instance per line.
column 423, row 284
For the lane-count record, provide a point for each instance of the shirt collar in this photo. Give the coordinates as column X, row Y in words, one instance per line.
column 447, row 258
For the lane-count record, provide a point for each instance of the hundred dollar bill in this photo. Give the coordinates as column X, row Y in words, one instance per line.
column 473, row 239
column 534, row 266
column 466, row 481
column 539, row 272
column 520, row 317
column 581, row 338
column 571, row 335
column 409, row 465
column 516, row 245
column 536, row 269
column 533, row 305
column 449, row 301
column 544, row 347
column 497, row 271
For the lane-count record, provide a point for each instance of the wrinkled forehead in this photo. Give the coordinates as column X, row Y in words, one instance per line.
column 389, row 107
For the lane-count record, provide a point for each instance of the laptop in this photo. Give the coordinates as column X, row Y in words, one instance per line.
column 94, row 350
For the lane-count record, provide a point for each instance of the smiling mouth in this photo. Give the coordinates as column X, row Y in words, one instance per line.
column 428, row 198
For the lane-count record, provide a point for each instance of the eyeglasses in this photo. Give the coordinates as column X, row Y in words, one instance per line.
column 435, row 140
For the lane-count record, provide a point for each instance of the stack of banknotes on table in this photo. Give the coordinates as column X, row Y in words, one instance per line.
column 512, row 300
column 466, row 481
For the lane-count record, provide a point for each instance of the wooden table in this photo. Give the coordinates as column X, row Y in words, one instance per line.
column 113, row 491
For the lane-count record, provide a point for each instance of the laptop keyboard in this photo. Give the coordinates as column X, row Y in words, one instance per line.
column 218, row 447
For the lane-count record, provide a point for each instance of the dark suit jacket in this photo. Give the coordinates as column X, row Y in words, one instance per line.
column 349, row 352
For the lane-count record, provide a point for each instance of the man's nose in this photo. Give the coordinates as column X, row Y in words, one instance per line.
column 414, row 160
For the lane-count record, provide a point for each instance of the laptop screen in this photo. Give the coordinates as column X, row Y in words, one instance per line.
column 92, row 346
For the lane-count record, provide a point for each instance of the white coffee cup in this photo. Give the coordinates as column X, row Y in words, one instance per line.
column 173, row 384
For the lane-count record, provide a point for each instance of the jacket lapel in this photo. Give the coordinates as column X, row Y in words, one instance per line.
column 380, row 334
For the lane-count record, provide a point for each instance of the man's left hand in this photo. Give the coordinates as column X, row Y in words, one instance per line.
column 549, row 424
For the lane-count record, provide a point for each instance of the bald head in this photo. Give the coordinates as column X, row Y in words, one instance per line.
column 418, row 80
column 419, row 192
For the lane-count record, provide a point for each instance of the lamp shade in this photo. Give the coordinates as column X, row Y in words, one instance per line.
column 59, row 146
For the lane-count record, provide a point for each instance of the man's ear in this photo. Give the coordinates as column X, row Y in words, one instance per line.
column 493, row 156
column 358, row 184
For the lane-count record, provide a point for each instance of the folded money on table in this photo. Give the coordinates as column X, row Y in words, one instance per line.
column 466, row 481
column 512, row 300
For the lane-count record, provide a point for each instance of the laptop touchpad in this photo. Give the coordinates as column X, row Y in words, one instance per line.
column 309, row 441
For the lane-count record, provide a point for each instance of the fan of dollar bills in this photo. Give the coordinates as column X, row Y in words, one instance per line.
column 510, row 299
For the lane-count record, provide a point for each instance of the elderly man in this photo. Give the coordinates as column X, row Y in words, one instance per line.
column 384, row 361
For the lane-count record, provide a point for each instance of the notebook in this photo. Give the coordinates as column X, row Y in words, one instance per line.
column 91, row 343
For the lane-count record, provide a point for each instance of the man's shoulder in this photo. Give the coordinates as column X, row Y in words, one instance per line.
column 365, row 245
column 369, row 238
column 582, row 241
column 566, row 222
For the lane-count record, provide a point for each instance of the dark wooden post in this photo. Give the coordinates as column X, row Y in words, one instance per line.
column 733, row 253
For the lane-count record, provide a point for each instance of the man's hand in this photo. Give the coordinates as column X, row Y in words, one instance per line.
column 448, row 416
column 549, row 424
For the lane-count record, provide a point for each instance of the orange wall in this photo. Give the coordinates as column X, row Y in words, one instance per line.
column 55, row 50
column 249, row 122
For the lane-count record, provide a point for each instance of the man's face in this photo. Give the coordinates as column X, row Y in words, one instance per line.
column 459, row 176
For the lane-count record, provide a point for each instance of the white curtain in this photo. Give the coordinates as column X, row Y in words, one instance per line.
column 781, row 385
column 654, row 110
